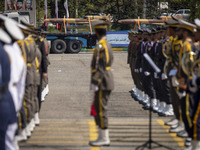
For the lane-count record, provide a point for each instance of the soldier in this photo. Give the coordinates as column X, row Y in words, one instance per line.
column 173, row 47
column 186, row 97
column 18, row 74
column 29, row 103
column 146, row 68
column 161, row 81
column 101, row 82
column 130, row 37
column 139, row 94
column 43, row 67
column 155, row 79
column 45, row 87
column 150, row 70
column 5, row 97
column 22, row 120
column 143, row 97
column 37, row 82
column 130, row 55
column 137, row 83
column 193, row 86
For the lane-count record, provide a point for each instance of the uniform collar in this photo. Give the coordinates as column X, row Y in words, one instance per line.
column 102, row 39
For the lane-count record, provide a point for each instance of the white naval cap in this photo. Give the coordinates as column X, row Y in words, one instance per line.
column 21, row 26
column 4, row 37
column 197, row 22
column 12, row 28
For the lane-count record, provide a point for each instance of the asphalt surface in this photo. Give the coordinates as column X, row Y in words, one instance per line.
column 66, row 123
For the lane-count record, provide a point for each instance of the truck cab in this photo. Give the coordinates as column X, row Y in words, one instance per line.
column 18, row 16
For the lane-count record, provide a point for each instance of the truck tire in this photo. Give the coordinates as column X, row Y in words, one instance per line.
column 74, row 46
column 59, row 46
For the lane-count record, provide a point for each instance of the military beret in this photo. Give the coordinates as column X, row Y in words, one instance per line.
column 197, row 23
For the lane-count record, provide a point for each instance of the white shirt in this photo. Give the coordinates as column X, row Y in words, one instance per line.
column 18, row 74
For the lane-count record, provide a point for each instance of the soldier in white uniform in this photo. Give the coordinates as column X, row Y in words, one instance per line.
column 18, row 74
column 5, row 101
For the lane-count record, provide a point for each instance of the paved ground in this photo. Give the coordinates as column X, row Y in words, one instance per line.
column 65, row 116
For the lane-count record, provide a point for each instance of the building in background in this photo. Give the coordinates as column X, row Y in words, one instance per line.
column 28, row 6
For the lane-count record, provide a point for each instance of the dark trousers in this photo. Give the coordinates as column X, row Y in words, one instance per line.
column 148, row 86
column 157, row 88
column 101, row 107
column 187, row 108
column 22, row 118
column 135, row 76
column 165, row 91
column 29, row 103
column 7, row 116
column 196, row 117
column 175, row 101
column 39, row 94
column 140, row 78
column 4, row 121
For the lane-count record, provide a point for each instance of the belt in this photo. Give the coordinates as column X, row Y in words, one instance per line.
column 107, row 68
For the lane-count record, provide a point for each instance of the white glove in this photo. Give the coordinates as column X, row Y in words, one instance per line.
column 181, row 95
column 174, row 81
column 94, row 87
column 164, row 76
column 140, row 69
column 156, row 75
column 146, row 73
column 173, row 72
column 193, row 85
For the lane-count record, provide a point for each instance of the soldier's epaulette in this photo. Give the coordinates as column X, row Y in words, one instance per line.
column 187, row 46
column 27, row 43
column 41, row 40
column 102, row 46
column 30, row 38
column 19, row 41
column 102, row 42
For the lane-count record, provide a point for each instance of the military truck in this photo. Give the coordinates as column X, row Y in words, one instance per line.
column 74, row 30
column 70, row 42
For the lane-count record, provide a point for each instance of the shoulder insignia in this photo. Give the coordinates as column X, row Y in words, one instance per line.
column 41, row 40
column 99, row 47
column 27, row 43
